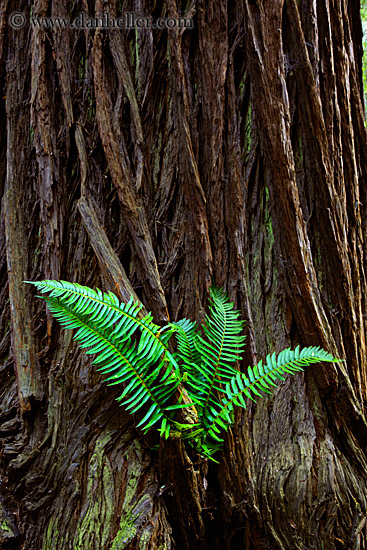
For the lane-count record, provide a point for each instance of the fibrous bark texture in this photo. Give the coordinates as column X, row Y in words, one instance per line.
column 152, row 162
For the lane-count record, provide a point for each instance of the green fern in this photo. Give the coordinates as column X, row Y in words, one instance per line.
column 220, row 350
column 135, row 351
column 187, row 341
column 106, row 326
column 259, row 379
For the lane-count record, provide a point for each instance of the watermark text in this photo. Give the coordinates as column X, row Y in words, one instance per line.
column 128, row 20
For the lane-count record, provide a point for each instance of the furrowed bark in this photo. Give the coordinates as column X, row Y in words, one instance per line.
column 116, row 154
column 151, row 163
column 15, row 217
column 108, row 260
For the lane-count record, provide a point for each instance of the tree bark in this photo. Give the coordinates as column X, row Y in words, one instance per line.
column 153, row 162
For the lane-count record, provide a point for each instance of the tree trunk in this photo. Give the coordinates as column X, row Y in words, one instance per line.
column 151, row 162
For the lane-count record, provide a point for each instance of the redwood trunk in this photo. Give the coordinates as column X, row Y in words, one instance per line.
column 152, row 162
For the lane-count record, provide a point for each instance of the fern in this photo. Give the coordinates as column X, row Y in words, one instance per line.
column 220, row 350
column 187, row 342
column 135, row 351
column 260, row 379
column 106, row 326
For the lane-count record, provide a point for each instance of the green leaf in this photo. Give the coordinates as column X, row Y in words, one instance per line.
column 221, row 348
column 259, row 377
column 105, row 326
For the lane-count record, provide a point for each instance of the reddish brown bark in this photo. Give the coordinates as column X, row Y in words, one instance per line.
column 153, row 162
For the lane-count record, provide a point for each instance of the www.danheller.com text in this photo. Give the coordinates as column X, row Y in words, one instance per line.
column 128, row 20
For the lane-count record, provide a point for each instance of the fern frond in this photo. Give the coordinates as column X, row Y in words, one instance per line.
column 187, row 341
column 144, row 382
column 109, row 311
column 220, row 350
column 260, row 379
column 106, row 326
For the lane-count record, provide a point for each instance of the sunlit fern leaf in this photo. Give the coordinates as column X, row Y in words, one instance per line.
column 105, row 327
column 109, row 311
column 194, row 379
column 145, row 383
column 220, row 349
column 260, row 379
column 187, row 339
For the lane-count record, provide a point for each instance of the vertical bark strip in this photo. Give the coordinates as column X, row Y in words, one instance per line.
column 109, row 263
column 15, row 214
column 152, row 162
column 116, row 154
